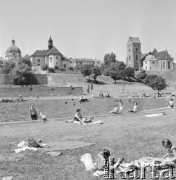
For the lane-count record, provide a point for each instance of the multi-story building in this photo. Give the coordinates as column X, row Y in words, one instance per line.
column 51, row 56
column 133, row 53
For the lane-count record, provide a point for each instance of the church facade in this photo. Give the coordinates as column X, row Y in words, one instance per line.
column 52, row 57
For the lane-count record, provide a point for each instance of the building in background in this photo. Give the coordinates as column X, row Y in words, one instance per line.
column 157, row 61
column 13, row 53
column 133, row 53
column 52, row 57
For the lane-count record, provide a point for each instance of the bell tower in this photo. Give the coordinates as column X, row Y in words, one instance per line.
column 50, row 43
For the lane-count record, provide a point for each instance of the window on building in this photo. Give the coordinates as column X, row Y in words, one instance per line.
column 163, row 64
column 56, row 57
column 168, row 64
column 129, row 50
column 64, row 65
column 136, row 49
column 136, row 57
column 129, row 57
column 50, row 58
column 38, row 60
column 13, row 53
column 153, row 62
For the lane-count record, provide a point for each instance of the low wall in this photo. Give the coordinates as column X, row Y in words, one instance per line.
column 40, row 91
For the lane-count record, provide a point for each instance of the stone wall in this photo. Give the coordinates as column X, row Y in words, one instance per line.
column 39, row 91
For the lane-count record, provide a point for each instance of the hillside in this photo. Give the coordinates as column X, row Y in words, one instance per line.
column 169, row 76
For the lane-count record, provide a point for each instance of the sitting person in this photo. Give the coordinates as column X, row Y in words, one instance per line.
column 43, row 117
column 134, row 108
column 78, row 118
column 115, row 110
column 102, row 157
column 170, row 148
column 171, row 103
column 121, row 107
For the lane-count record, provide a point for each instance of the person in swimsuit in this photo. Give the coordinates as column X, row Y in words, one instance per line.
column 170, row 148
column 33, row 112
column 134, row 108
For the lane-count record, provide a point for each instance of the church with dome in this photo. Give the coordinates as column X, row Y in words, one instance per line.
column 157, row 61
column 13, row 53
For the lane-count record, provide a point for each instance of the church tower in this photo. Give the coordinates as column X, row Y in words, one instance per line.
column 50, row 43
column 133, row 53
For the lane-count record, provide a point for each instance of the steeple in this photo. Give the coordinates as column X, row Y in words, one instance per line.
column 13, row 41
column 50, row 43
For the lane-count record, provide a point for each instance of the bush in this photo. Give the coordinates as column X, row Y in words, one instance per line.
column 142, row 75
column 71, row 68
column 62, row 69
column 44, row 67
column 56, row 67
column 51, row 70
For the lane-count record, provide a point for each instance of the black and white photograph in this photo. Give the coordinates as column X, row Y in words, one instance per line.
column 87, row 89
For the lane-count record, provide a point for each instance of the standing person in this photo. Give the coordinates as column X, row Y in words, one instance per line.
column 33, row 112
column 88, row 89
column 121, row 107
column 91, row 86
column 171, row 103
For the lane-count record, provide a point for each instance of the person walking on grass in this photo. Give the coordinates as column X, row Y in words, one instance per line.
column 33, row 112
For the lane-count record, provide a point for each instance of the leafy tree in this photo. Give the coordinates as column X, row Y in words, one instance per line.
column 96, row 71
column 7, row 67
column 116, row 71
column 109, row 59
column 129, row 72
column 21, row 75
column 44, row 67
column 25, row 61
column 156, row 82
column 142, row 75
column 86, row 70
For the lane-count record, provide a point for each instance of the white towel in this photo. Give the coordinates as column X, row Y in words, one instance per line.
column 88, row 162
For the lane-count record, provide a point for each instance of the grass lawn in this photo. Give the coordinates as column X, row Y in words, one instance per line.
column 131, row 136
column 19, row 111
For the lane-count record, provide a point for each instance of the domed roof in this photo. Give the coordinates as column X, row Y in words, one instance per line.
column 13, row 48
column 150, row 57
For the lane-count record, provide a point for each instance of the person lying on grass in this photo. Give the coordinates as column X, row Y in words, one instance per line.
column 134, row 108
column 171, row 103
column 78, row 118
column 115, row 110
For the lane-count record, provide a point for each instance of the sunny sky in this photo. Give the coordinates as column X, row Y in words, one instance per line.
column 88, row 28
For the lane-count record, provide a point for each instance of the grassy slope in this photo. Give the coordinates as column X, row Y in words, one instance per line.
column 131, row 137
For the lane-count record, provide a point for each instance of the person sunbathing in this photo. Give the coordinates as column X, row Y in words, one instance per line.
column 115, row 110
column 170, row 148
column 134, row 108
column 78, row 118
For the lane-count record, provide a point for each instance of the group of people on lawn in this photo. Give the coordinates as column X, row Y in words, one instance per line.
column 78, row 118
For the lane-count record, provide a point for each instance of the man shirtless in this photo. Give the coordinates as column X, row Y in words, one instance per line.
column 33, row 112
